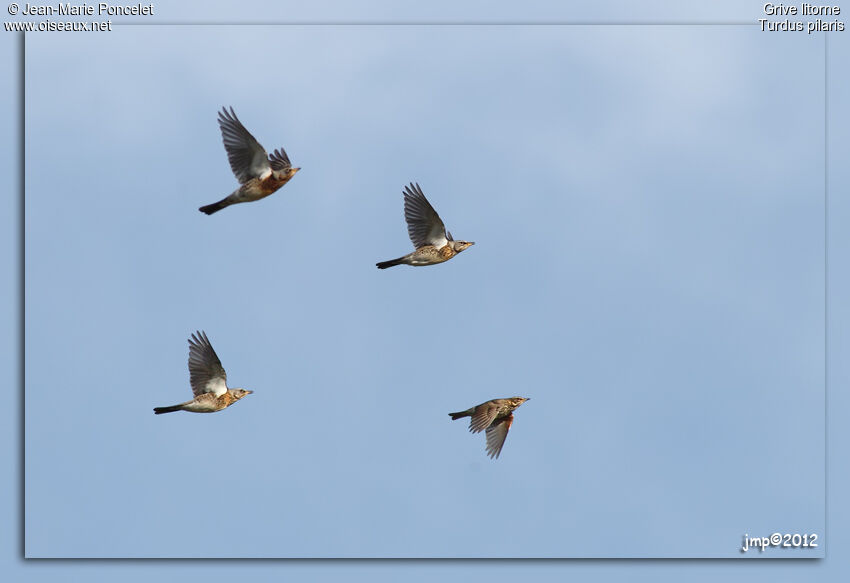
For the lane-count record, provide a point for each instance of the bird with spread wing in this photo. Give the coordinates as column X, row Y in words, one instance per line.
column 433, row 243
column 495, row 418
column 208, row 380
column 258, row 173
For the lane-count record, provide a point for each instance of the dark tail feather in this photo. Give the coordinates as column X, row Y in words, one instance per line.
column 460, row 414
column 161, row 410
column 215, row 207
column 385, row 264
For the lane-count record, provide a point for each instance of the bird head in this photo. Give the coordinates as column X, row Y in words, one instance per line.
column 239, row 393
column 459, row 246
column 285, row 174
column 517, row 401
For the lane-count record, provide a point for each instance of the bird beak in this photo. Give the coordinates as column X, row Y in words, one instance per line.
column 294, row 170
column 249, row 392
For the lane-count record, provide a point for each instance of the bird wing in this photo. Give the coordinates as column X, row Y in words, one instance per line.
column 206, row 375
column 279, row 160
column 248, row 159
column 483, row 417
column 423, row 223
column 496, row 435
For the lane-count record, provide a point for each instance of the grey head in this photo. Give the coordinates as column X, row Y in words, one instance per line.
column 239, row 393
column 457, row 246
column 281, row 166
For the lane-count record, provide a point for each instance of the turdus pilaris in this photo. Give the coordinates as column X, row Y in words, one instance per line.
column 429, row 236
column 495, row 417
column 259, row 174
column 208, row 380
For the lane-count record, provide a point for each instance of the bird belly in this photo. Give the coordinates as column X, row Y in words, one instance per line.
column 206, row 403
column 446, row 252
column 428, row 255
column 256, row 189
column 200, row 408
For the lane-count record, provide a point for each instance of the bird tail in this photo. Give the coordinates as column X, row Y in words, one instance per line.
column 172, row 409
column 460, row 414
column 215, row 207
column 392, row 262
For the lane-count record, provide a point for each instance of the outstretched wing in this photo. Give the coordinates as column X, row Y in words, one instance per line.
column 484, row 415
column 248, row 159
column 206, row 375
column 423, row 223
column 496, row 435
column 279, row 160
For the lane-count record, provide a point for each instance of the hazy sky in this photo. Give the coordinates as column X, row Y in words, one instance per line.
column 647, row 204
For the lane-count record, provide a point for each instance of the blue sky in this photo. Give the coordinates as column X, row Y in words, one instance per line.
column 647, row 203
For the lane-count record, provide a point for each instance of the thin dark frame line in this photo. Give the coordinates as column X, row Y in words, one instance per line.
column 21, row 159
column 825, row 291
column 432, row 23
column 414, row 560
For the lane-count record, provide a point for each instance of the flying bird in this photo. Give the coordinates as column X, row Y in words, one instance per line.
column 495, row 417
column 258, row 173
column 208, row 380
column 426, row 230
